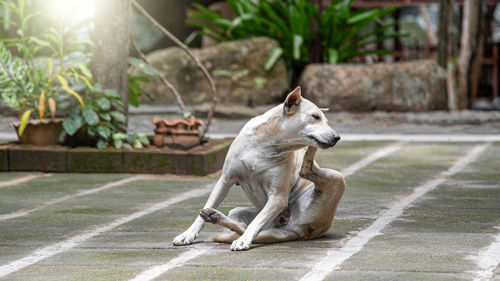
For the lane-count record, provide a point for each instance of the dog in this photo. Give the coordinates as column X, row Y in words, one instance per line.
column 272, row 159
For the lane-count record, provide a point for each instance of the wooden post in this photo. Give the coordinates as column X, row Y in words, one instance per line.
column 111, row 49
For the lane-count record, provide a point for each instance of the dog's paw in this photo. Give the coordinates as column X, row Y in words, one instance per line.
column 241, row 244
column 184, row 239
column 210, row 215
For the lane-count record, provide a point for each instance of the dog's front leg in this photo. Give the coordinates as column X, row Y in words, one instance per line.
column 216, row 196
column 274, row 206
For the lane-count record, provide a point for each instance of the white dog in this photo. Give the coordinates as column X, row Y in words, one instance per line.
column 293, row 198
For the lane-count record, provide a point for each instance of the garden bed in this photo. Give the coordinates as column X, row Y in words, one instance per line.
column 201, row 160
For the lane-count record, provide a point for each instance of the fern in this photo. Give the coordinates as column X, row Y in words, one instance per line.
column 15, row 80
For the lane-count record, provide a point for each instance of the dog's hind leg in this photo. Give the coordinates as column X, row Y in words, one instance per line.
column 273, row 235
column 323, row 179
column 226, row 238
column 329, row 186
column 270, row 235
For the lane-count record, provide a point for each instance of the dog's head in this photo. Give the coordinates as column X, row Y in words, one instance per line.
column 305, row 123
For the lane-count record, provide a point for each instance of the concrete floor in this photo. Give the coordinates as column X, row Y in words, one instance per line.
column 411, row 211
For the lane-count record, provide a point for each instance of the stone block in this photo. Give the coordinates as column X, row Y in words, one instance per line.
column 37, row 158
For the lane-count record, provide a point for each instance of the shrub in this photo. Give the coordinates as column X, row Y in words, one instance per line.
column 343, row 33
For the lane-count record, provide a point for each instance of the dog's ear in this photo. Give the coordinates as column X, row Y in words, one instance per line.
column 292, row 101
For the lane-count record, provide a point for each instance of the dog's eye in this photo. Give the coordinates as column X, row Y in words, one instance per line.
column 316, row 116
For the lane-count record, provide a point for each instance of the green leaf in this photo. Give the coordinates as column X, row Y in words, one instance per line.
column 144, row 66
column 40, row 41
column 102, row 143
column 363, row 16
column 104, row 132
column 127, row 146
column 333, row 56
column 138, row 144
column 111, row 94
column 104, row 103
column 297, row 44
column 142, row 138
column 118, row 143
column 24, row 121
column 274, row 56
column 118, row 116
column 90, row 116
column 120, row 136
column 72, row 124
column 63, row 81
column 134, row 93
column 105, row 116
column 6, row 16
column 85, row 70
column 139, row 79
column 91, row 131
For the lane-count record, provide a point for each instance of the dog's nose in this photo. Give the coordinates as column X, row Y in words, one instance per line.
column 336, row 139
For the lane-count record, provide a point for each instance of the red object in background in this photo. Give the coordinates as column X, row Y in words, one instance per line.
column 177, row 133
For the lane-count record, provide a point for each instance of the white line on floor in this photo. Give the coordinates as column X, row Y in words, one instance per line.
column 155, row 271
column 400, row 137
column 67, row 197
column 487, row 260
column 72, row 242
column 158, row 270
column 22, row 179
column 384, row 151
column 335, row 257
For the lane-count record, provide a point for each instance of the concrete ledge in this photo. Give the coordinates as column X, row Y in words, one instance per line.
column 4, row 158
column 202, row 160
column 37, row 158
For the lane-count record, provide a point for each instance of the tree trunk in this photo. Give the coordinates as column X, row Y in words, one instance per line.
column 443, row 26
column 470, row 24
column 476, row 66
column 111, row 49
column 450, row 66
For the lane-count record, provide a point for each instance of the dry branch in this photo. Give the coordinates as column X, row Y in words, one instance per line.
column 196, row 60
column 165, row 81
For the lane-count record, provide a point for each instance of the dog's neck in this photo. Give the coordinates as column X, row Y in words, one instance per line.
column 269, row 133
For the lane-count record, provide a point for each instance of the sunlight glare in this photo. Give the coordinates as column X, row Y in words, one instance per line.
column 71, row 12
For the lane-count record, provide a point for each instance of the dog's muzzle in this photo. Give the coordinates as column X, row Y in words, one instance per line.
column 335, row 140
column 331, row 142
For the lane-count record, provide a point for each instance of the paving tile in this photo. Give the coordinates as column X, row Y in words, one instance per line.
column 7, row 176
column 39, row 190
column 394, row 275
column 425, row 252
column 231, row 273
column 346, row 153
column 429, row 242
column 438, row 232
column 64, row 272
column 71, row 217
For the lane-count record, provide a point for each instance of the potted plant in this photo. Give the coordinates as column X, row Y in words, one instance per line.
column 34, row 86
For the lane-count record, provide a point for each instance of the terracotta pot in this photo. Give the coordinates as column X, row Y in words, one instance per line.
column 45, row 132
column 177, row 133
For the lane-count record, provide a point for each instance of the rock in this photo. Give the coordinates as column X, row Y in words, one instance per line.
column 229, row 111
column 407, row 86
column 237, row 68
